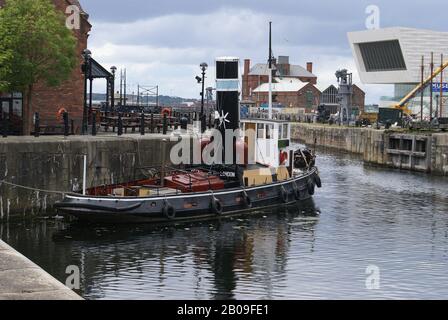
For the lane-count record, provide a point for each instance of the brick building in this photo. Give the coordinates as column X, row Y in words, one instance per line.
column 47, row 100
column 289, row 93
column 257, row 75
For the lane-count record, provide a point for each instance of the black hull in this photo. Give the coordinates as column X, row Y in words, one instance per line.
column 192, row 206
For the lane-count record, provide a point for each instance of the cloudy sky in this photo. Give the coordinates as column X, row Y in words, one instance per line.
column 162, row 42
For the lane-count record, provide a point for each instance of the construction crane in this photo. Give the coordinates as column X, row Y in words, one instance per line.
column 403, row 104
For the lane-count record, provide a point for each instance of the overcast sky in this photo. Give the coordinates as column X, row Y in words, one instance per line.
column 162, row 42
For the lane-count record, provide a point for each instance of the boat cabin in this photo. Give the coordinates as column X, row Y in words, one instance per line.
column 272, row 141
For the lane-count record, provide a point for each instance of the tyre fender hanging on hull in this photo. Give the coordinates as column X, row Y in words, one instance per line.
column 216, row 206
column 311, row 187
column 168, row 210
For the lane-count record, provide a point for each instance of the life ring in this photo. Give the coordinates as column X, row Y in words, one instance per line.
column 296, row 192
column 167, row 112
column 247, row 201
column 217, row 207
column 311, row 188
column 318, row 181
column 60, row 113
column 283, row 157
column 168, row 211
column 284, row 194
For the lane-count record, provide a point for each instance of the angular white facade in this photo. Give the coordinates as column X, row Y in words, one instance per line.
column 393, row 55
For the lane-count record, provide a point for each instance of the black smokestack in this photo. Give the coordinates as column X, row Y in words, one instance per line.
column 227, row 94
column 227, row 88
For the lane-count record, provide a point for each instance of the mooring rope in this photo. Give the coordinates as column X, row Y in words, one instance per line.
column 32, row 189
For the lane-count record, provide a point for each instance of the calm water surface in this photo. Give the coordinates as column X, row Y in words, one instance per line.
column 363, row 216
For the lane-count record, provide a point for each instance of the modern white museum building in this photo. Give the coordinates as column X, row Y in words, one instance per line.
column 394, row 56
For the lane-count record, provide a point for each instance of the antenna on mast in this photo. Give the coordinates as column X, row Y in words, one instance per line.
column 270, row 71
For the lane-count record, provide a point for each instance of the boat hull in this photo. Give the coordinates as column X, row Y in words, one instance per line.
column 191, row 206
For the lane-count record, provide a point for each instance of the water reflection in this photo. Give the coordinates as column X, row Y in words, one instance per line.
column 209, row 260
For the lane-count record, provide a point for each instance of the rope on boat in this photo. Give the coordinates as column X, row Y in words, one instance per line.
column 31, row 189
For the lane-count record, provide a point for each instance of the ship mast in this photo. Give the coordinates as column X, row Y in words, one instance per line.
column 270, row 71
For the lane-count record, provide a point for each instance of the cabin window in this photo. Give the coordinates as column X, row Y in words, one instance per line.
column 280, row 132
column 269, row 131
column 285, row 131
column 260, row 131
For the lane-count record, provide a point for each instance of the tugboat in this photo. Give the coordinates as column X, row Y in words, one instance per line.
column 270, row 174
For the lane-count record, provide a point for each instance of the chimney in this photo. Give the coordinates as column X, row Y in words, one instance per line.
column 309, row 67
column 246, row 67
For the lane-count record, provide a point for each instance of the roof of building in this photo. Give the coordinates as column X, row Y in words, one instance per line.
column 323, row 88
column 283, row 85
column 262, row 69
column 98, row 71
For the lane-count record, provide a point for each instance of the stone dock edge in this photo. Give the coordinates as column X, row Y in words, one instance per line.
column 21, row 279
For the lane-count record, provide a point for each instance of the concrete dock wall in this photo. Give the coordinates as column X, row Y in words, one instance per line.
column 55, row 163
column 439, row 153
column 21, row 279
column 424, row 152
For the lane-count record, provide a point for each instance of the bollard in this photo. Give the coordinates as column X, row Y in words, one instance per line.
column 203, row 123
column 72, row 127
column 142, row 124
column 36, row 125
column 184, row 122
column 120, row 125
column 93, row 123
column 164, row 124
column 4, row 127
column 66, row 128
column 152, row 123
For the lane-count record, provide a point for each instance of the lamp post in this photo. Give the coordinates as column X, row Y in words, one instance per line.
column 204, row 67
column 87, row 54
column 113, row 70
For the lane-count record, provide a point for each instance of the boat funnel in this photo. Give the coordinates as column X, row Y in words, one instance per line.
column 227, row 92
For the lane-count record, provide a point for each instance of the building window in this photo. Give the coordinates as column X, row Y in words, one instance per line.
column 382, row 56
column 309, row 99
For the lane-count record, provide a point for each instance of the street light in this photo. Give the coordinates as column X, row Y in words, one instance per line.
column 203, row 67
column 87, row 55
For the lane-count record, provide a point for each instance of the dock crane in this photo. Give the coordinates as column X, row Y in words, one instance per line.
column 403, row 104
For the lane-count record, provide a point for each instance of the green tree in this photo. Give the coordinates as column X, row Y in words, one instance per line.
column 35, row 47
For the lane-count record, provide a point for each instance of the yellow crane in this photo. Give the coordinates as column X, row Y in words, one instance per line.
column 403, row 104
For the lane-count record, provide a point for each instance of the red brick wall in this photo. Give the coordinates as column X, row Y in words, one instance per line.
column 291, row 99
column 359, row 98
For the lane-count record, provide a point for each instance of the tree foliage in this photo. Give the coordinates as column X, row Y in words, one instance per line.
column 35, row 45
